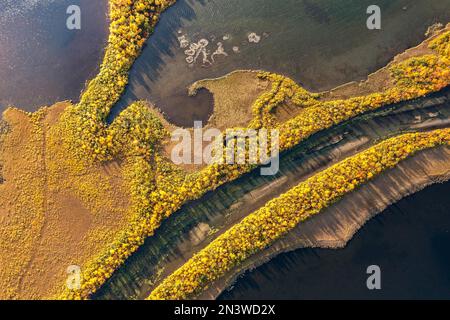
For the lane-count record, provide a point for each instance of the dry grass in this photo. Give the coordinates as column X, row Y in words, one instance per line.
column 234, row 95
column 55, row 212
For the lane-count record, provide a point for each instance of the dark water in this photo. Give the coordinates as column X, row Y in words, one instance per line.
column 319, row 43
column 410, row 242
column 41, row 61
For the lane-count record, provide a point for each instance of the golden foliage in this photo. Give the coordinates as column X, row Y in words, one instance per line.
column 283, row 89
column 261, row 228
column 131, row 23
column 442, row 44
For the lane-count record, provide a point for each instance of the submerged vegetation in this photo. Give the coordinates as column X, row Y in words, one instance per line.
column 261, row 228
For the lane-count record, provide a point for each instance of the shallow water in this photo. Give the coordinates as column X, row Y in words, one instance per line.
column 409, row 241
column 319, row 43
column 41, row 61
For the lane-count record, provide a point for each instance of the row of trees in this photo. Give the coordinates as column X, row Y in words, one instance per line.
column 261, row 228
column 282, row 90
column 135, row 135
column 412, row 78
column 131, row 22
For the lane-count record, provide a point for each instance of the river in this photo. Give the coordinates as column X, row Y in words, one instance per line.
column 409, row 241
column 319, row 43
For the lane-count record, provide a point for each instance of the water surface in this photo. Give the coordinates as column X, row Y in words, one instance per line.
column 41, row 61
column 410, row 242
column 319, row 43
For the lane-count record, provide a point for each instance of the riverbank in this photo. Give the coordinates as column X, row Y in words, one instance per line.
column 409, row 241
column 336, row 225
column 319, row 44
column 314, row 118
column 262, row 228
column 172, row 244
